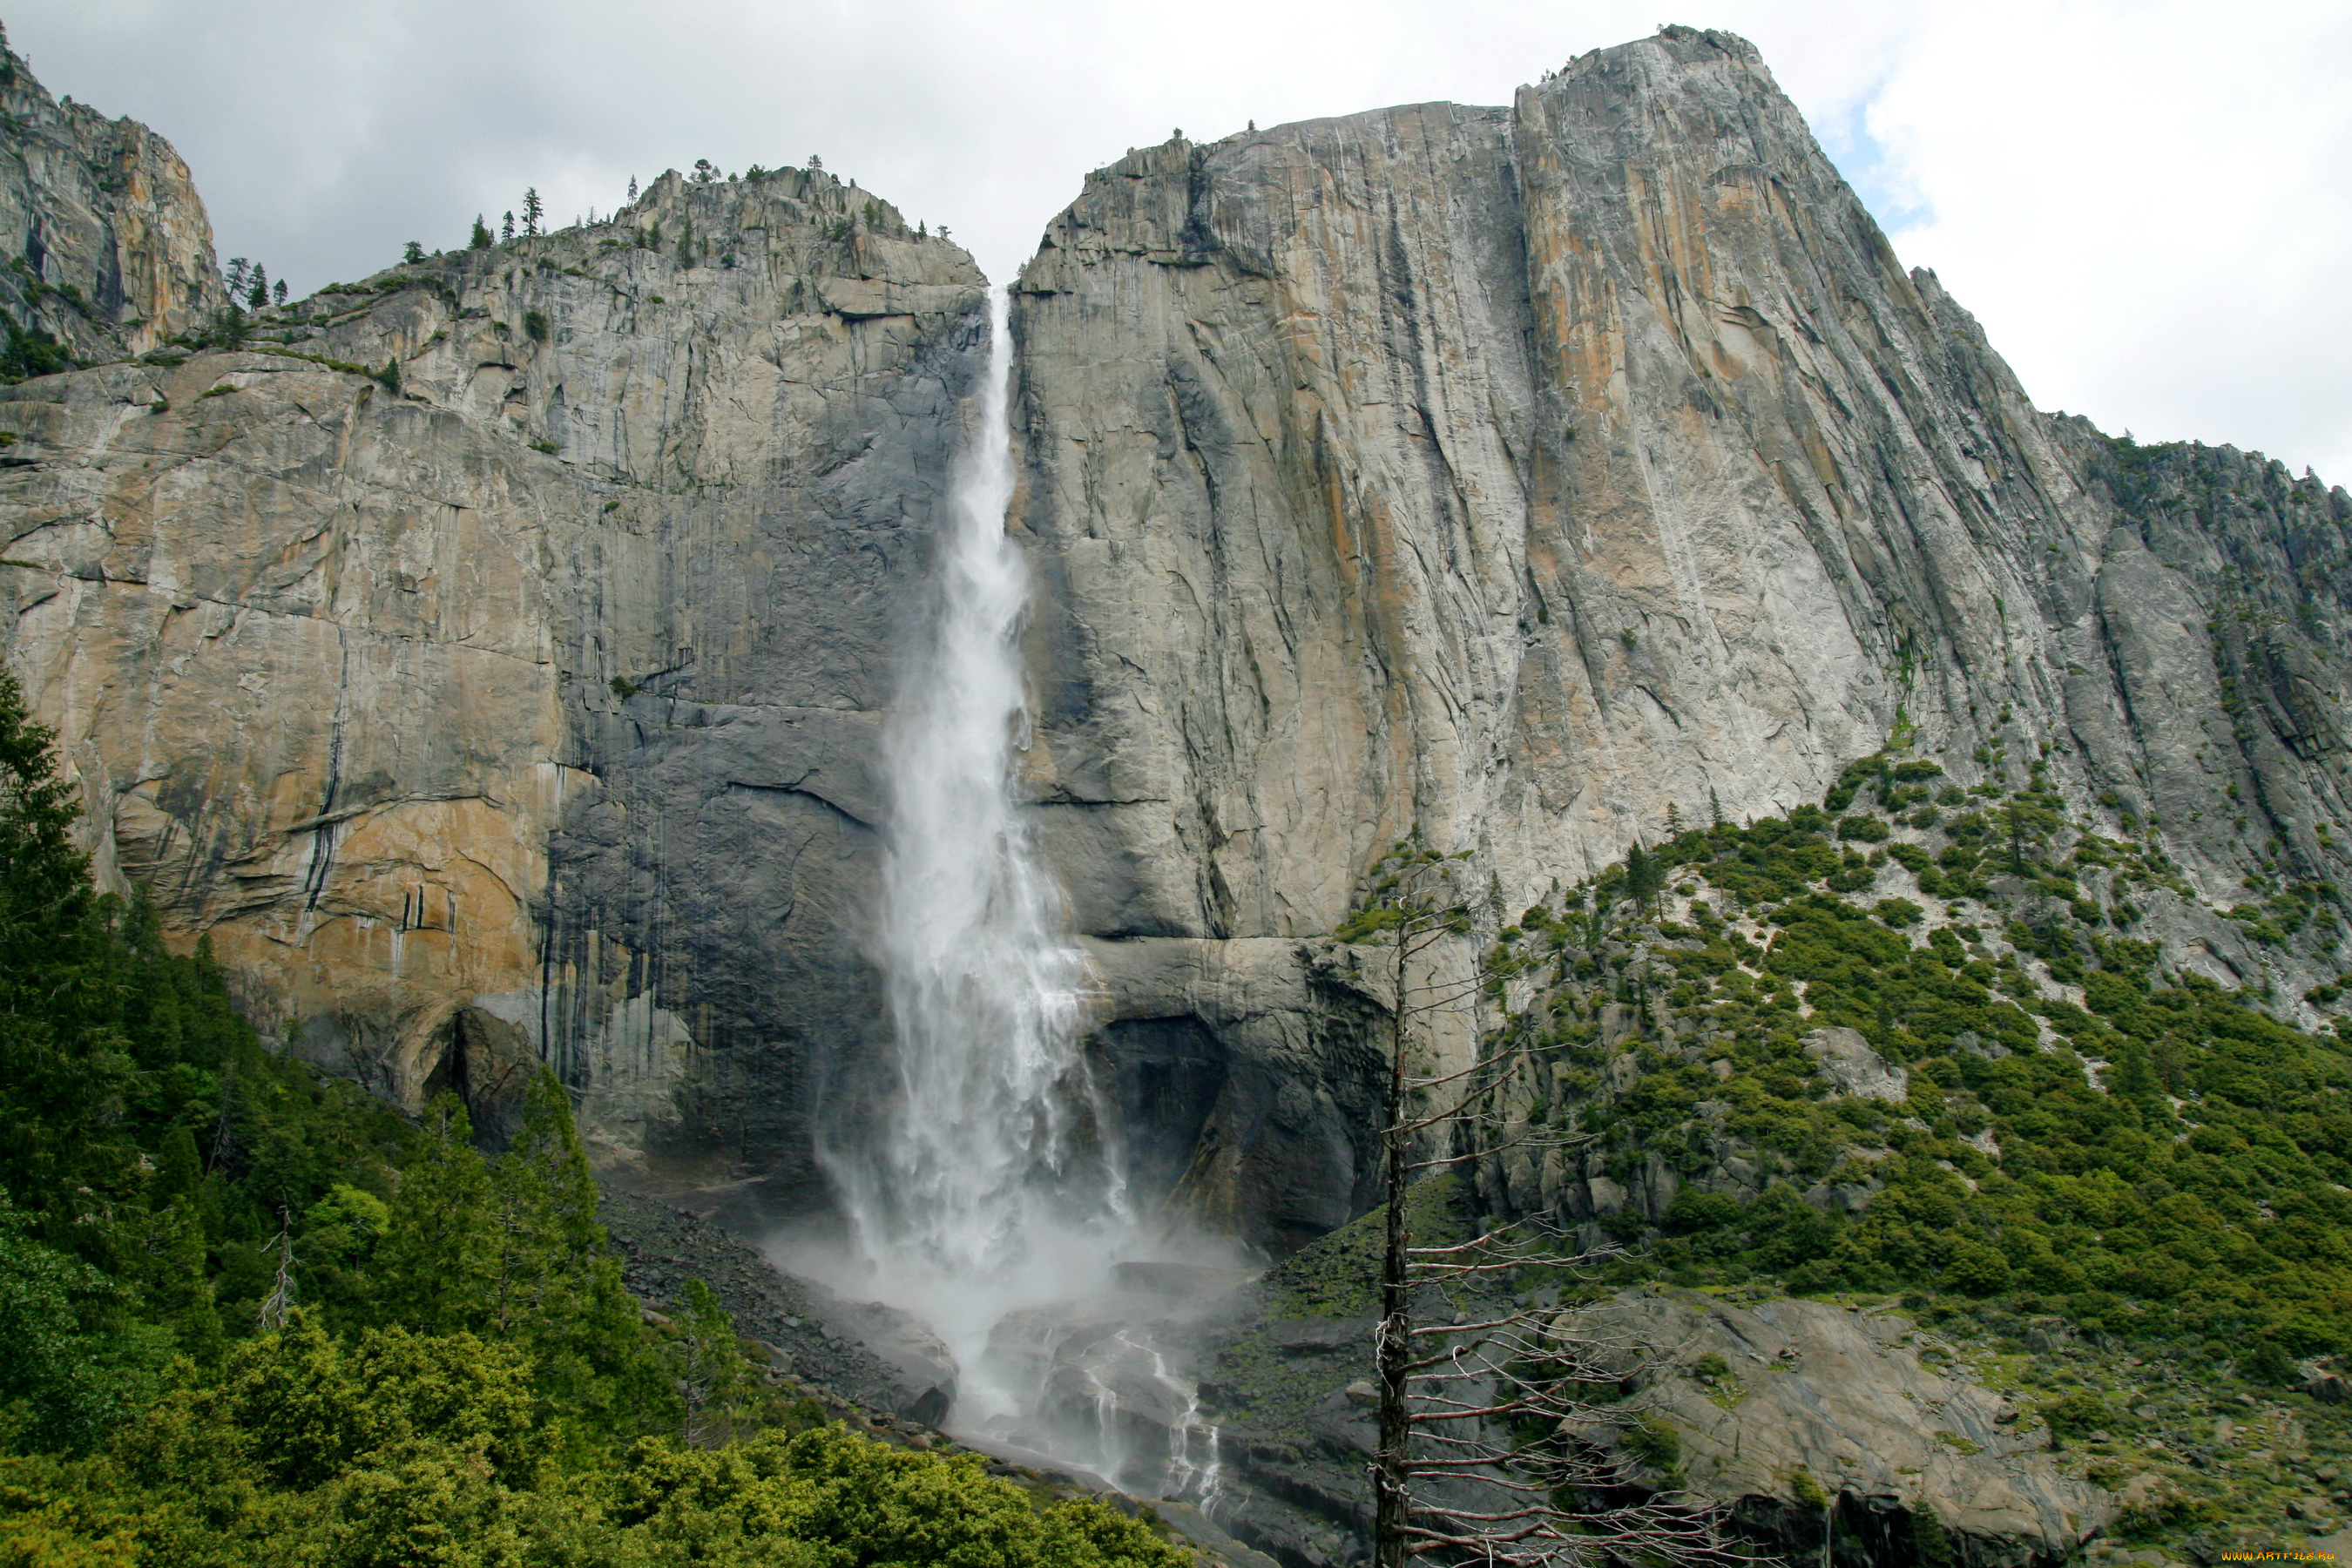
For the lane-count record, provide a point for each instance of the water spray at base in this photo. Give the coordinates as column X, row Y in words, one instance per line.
column 990, row 1203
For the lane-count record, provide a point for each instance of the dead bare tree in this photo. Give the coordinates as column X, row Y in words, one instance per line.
column 279, row 1304
column 1501, row 1430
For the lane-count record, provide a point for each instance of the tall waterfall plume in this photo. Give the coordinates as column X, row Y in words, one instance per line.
column 990, row 1188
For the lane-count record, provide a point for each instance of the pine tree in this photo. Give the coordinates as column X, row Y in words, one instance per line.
column 511, row 1249
column 412, row 253
column 1643, row 875
column 557, row 1287
column 507, row 229
column 61, row 1379
column 177, row 1291
column 258, row 296
column 481, row 236
column 63, row 1058
column 277, row 292
column 439, row 1259
column 2134, row 1078
column 238, row 269
column 632, row 187
column 719, row 1381
column 533, row 210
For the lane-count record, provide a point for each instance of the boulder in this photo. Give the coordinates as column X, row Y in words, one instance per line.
column 1845, row 1058
column 1843, row 1396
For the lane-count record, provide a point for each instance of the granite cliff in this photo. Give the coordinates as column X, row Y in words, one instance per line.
column 487, row 658
column 1541, row 477
column 486, row 655
column 109, row 249
column 484, row 658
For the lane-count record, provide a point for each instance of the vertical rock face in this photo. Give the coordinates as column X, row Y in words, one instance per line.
column 487, row 658
column 1530, row 475
column 108, row 249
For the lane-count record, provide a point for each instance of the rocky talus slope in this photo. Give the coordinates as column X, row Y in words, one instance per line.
column 1541, row 476
column 1805, row 1419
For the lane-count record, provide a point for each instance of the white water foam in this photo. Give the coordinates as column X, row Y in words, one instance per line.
column 990, row 1201
column 992, row 1186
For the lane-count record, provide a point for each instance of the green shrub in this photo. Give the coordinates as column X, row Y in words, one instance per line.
column 1931, row 1543
column 1693, row 1210
column 1807, row 1490
column 31, row 351
column 2196, row 1191
column 2077, row 1414
column 1976, row 1270
column 1654, row 1442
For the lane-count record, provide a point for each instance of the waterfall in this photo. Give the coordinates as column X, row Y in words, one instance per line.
column 990, row 1188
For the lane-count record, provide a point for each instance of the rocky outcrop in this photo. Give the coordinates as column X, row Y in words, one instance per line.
column 805, row 1332
column 1805, row 1418
column 1246, row 1077
column 1850, row 1066
column 1535, row 475
column 487, row 658
column 1795, row 1417
column 108, row 248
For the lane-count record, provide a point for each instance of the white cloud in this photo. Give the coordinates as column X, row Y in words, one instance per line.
column 2148, row 211
column 2144, row 205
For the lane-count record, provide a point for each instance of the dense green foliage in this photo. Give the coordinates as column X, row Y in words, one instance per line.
column 29, row 352
column 402, row 1448
column 2162, row 1158
column 252, row 1315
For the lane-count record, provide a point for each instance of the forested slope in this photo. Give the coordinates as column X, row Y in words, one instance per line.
column 250, row 1313
column 1909, row 1047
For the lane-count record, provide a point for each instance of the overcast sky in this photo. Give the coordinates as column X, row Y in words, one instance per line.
column 2148, row 203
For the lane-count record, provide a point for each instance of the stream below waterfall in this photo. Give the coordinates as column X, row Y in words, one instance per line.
column 989, row 1200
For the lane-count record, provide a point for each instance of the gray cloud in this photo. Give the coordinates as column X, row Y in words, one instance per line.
column 2145, row 206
